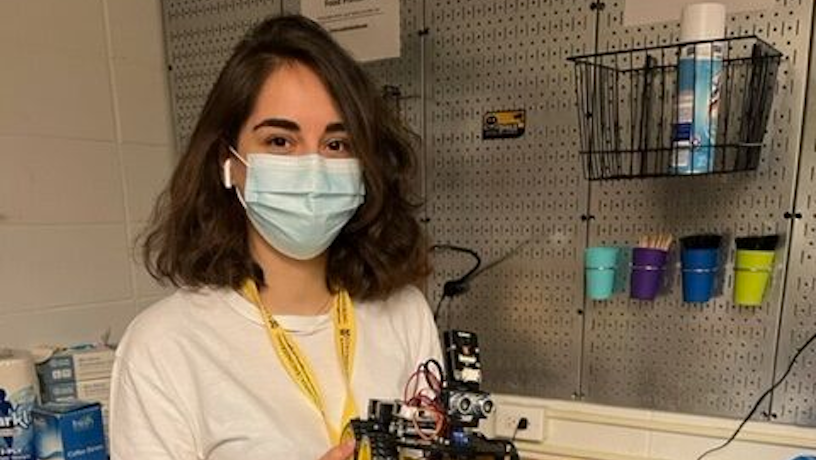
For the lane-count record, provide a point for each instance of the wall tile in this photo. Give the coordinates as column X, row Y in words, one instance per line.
column 620, row 440
column 143, row 103
column 55, row 95
column 53, row 265
column 147, row 170
column 136, row 30
column 69, row 326
column 51, row 180
column 74, row 28
column 67, row 270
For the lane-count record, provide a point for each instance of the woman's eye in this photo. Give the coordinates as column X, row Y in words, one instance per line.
column 278, row 142
column 338, row 145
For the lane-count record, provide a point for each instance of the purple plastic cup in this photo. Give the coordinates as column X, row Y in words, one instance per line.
column 648, row 265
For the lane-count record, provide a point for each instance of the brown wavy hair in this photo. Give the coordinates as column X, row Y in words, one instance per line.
column 198, row 231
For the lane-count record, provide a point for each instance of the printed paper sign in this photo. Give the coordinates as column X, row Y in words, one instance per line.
column 368, row 29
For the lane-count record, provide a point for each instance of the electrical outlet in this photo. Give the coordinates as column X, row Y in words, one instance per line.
column 507, row 417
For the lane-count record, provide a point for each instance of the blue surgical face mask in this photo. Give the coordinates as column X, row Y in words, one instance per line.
column 299, row 203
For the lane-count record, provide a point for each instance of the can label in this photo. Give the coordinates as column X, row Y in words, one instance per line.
column 698, row 102
column 16, row 428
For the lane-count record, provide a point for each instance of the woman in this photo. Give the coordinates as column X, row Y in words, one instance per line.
column 287, row 227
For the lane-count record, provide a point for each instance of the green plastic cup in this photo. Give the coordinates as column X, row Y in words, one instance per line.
column 601, row 265
column 753, row 269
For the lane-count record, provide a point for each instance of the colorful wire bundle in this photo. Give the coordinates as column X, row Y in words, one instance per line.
column 427, row 398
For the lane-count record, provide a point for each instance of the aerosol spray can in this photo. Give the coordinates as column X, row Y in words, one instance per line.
column 699, row 73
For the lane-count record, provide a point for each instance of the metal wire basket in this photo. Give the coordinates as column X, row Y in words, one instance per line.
column 684, row 109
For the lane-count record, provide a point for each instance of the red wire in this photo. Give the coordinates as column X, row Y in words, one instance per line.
column 413, row 376
column 439, row 423
column 422, row 401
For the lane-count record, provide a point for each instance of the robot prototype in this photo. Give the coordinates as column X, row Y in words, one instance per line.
column 439, row 415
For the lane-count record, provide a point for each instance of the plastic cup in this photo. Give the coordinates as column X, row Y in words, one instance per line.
column 648, row 265
column 753, row 270
column 699, row 273
column 601, row 264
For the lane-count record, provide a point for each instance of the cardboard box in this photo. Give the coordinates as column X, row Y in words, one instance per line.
column 69, row 430
column 87, row 390
column 76, row 365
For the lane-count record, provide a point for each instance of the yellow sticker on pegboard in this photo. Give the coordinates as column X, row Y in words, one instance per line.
column 503, row 124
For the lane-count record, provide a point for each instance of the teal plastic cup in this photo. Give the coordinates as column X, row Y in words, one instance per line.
column 601, row 265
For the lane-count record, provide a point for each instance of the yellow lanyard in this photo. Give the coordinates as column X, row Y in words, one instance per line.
column 296, row 364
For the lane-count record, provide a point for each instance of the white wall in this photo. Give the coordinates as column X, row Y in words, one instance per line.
column 580, row 431
column 85, row 146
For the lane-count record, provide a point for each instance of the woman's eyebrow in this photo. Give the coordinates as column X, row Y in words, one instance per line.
column 335, row 127
column 278, row 123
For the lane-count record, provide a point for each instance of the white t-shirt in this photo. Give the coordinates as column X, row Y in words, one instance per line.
column 196, row 376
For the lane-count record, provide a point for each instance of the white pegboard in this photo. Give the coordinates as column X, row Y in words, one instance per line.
column 200, row 36
column 492, row 195
column 714, row 358
column 795, row 401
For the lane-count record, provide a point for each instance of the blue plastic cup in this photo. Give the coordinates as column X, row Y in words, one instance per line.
column 700, row 267
column 601, row 265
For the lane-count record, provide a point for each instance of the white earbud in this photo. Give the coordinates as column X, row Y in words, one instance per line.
column 228, row 173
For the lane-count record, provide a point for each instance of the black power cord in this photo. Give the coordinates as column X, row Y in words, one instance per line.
column 761, row 398
column 461, row 285
column 439, row 306
column 439, row 370
column 520, row 426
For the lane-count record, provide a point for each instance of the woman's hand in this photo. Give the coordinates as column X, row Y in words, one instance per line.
column 341, row 452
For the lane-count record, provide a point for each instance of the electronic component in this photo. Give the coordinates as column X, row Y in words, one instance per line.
column 440, row 414
column 462, row 359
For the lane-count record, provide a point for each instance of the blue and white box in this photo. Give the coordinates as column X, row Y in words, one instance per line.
column 69, row 430
column 88, row 390
column 76, row 365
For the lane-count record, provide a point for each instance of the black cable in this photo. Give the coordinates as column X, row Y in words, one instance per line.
column 511, row 450
column 761, row 398
column 453, row 288
column 471, row 252
column 438, row 367
column 460, row 285
column 439, row 306
column 521, row 425
column 501, row 259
